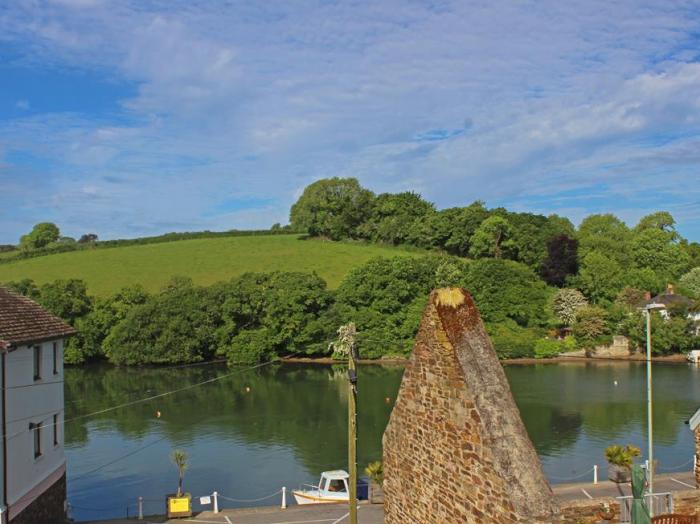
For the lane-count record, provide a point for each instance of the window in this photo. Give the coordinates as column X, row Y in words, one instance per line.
column 37, row 362
column 337, row 485
column 55, row 430
column 36, row 428
column 55, row 358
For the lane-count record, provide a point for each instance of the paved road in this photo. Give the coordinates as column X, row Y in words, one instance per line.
column 374, row 514
column 662, row 483
column 331, row 514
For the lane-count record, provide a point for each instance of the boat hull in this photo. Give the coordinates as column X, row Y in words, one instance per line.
column 305, row 497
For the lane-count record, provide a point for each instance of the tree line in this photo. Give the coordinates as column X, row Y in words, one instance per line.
column 534, row 279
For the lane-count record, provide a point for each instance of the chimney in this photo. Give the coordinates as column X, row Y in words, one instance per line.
column 669, row 289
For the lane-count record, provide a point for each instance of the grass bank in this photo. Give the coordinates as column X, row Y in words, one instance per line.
column 206, row 261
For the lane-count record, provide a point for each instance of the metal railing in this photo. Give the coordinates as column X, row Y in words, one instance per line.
column 658, row 504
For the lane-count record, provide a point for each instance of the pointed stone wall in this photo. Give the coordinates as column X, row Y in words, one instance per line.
column 455, row 449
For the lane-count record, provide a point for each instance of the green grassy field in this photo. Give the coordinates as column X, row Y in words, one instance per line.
column 206, row 261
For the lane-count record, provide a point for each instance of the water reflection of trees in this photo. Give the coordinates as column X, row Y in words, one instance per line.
column 606, row 399
column 295, row 405
column 304, row 407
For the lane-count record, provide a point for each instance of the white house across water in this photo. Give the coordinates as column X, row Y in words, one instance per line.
column 32, row 463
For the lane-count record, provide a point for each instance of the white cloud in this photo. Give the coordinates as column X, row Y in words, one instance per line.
column 263, row 98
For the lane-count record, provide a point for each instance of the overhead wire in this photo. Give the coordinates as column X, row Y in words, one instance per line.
column 146, row 399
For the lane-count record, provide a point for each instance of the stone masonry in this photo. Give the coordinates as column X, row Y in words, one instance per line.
column 455, row 448
column 696, row 433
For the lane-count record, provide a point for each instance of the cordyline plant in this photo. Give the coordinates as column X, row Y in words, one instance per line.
column 622, row 455
column 179, row 458
column 344, row 344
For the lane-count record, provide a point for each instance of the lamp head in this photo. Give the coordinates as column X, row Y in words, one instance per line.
column 653, row 306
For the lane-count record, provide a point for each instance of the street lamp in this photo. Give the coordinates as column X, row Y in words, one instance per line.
column 650, row 452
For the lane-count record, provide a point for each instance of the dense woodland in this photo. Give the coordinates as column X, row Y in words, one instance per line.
column 534, row 279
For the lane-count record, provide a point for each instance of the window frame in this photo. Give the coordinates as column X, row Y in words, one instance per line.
column 55, row 358
column 56, row 419
column 38, row 356
column 36, row 428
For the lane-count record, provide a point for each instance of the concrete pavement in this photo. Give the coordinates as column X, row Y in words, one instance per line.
column 662, row 483
column 374, row 513
column 312, row 514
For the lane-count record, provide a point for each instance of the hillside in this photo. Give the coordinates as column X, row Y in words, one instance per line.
column 204, row 260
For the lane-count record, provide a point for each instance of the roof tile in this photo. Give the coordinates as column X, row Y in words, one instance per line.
column 23, row 321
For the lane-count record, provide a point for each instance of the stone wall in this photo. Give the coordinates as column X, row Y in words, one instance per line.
column 620, row 347
column 455, row 448
column 48, row 508
column 697, row 457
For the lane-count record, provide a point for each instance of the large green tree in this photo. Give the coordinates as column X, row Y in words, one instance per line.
column 504, row 289
column 661, row 221
column 492, row 238
column 270, row 314
column 97, row 324
column 600, row 277
column 607, row 235
column 656, row 249
column 67, row 299
column 332, row 207
column 41, row 235
column 393, row 216
column 690, row 282
column 385, row 298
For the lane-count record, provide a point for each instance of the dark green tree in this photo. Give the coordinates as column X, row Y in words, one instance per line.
column 561, row 260
column 393, row 216
column 67, row 299
column 503, row 289
column 385, row 298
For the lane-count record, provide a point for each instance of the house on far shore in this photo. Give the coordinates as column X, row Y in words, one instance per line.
column 32, row 462
column 672, row 300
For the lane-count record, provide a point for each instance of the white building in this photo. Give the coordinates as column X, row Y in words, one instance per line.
column 33, row 466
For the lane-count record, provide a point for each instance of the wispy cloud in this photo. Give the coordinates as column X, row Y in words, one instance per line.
column 551, row 106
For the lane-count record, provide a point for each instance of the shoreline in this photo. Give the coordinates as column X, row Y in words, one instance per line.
column 635, row 357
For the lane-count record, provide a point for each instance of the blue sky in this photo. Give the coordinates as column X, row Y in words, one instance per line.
column 137, row 118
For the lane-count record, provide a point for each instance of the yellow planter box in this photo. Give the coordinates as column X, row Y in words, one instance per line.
column 179, row 506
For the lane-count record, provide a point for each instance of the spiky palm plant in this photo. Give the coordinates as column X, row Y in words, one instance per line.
column 179, row 458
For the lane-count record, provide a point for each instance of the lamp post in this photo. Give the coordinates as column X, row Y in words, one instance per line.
column 650, row 451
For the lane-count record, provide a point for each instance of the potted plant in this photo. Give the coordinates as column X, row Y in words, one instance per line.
column 375, row 472
column 180, row 504
column 620, row 460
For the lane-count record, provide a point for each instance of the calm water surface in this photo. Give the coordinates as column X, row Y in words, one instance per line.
column 255, row 431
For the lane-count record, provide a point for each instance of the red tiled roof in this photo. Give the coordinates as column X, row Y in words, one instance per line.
column 23, row 321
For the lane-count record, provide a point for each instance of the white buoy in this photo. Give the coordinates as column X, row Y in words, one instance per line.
column 615, row 382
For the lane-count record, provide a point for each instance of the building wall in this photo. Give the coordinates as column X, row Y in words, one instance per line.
column 2, row 454
column 28, row 402
column 455, row 448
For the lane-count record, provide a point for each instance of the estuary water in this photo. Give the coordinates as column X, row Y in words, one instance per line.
column 254, row 431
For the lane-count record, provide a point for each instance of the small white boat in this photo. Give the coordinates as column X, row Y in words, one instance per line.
column 331, row 489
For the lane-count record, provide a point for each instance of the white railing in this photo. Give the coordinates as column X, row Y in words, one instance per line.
column 658, row 504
